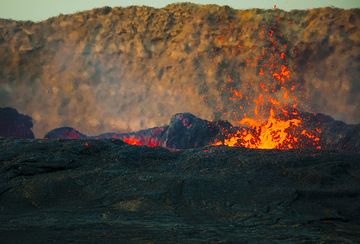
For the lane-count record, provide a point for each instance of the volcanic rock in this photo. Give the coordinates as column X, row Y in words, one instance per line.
column 335, row 134
column 186, row 131
column 64, row 133
column 15, row 125
column 104, row 191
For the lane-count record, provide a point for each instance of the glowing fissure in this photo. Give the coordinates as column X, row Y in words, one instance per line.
column 141, row 141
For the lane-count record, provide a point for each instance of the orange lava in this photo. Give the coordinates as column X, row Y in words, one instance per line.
column 273, row 122
column 142, row 141
column 132, row 141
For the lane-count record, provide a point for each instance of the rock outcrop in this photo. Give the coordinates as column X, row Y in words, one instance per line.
column 186, row 131
column 64, row 133
column 15, row 125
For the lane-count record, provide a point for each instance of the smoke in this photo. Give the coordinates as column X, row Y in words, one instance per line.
column 133, row 68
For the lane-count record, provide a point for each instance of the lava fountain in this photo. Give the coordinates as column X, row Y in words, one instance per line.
column 273, row 121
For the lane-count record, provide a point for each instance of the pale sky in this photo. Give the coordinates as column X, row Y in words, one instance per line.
column 37, row 10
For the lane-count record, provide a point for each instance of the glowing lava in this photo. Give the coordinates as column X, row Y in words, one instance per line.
column 274, row 122
column 143, row 140
column 132, row 141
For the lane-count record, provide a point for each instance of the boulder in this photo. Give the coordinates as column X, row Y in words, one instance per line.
column 15, row 125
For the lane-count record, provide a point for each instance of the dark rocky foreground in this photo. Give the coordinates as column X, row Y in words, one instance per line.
column 105, row 191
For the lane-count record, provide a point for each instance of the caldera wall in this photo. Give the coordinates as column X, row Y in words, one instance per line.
column 125, row 69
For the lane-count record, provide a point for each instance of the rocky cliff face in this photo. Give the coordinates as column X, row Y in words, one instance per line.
column 122, row 69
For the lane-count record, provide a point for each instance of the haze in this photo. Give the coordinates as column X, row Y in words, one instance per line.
column 37, row 10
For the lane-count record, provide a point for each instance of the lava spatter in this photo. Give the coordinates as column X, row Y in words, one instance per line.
column 273, row 121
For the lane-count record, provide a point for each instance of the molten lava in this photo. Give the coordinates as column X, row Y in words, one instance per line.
column 271, row 134
column 132, row 141
column 273, row 122
column 142, row 140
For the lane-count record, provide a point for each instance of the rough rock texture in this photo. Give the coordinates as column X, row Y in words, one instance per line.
column 132, row 68
column 186, row 131
column 15, row 125
column 335, row 134
column 64, row 133
column 108, row 192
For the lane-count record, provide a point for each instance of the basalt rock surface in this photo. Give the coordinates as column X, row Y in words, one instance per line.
column 105, row 191
column 186, row 131
column 126, row 69
column 64, row 133
column 15, row 125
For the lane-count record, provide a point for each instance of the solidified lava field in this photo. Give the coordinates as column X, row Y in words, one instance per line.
column 100, row 85
column 105, row 191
